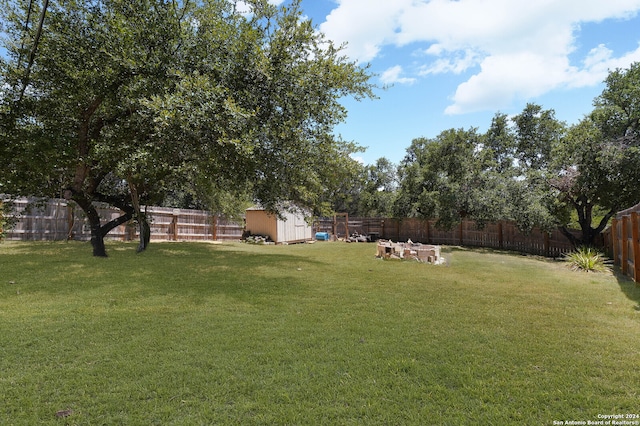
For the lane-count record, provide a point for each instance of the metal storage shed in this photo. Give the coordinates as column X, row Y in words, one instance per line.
column 292, row 228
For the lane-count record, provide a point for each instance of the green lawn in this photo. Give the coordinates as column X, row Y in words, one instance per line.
column 191, row 333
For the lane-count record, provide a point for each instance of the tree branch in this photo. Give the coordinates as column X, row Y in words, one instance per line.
column 107, row 227
column 572, row 239
column 603, row 223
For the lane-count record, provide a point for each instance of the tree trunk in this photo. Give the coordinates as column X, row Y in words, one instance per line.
column 143, row 224
column 98, row 232
column 588, row 235
column 97, row 242
column 575, row 242
column 145, row 233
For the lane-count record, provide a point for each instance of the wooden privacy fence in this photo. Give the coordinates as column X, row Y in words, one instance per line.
column 501, row 235
column 60, row 219
column 623, row 239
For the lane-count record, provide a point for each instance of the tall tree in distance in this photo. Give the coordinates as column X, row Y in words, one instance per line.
column 378, row 193
column 451, row 178
column 597, row 165
column 537, row 132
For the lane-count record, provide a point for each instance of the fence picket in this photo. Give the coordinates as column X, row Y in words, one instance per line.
column 501, row 235
column 60, row 220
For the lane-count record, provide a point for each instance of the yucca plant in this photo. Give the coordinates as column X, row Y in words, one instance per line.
column 587, row 259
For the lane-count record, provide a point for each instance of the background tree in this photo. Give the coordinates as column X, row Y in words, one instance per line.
column 533, row 169
column 378, row 193
column 127, row 101
column 588, row 172
column 499, row 146
column 345, row 197
column 537, row 132
column 596, row 167
column 498, row 175
column 451, row 178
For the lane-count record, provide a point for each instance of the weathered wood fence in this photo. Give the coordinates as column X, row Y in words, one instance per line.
column 623, row 241
column 501, row 235
column 60, row 219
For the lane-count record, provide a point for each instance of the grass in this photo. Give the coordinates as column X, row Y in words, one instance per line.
column 309, row 334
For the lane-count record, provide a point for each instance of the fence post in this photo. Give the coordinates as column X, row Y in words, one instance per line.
column 214, row 225
column 174, row 227
column 500, row 236
column 636, row 246
column 461, row 231
column 71, row 215
column 614, row 241
column 625, row 245
column 428, row 231
column 546, row 243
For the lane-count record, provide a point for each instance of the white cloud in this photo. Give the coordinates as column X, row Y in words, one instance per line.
column 455, row 63
column 501, row 78
column 366, row 25
column 357, row 158
column 392, row 75
column 521, row 48
column 244, row 7
column 598, row 63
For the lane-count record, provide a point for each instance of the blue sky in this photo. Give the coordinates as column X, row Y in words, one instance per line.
column 455, row 63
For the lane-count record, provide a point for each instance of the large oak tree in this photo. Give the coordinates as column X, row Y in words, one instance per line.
column 120, row 101
column 596, row 168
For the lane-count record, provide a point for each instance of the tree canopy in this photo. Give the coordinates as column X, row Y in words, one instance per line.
column 533, row 168
column 596, row 168
column 127, row 101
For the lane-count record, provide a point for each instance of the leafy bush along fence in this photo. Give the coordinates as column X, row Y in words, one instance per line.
column 60, row 220
column 501, row 235
column 623, row 241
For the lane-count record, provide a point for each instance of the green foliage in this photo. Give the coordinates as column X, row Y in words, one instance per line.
column 587, row 259
column 595, row 167
column 537, row 131
column 378, row 191
column 139, row 102
column 452, row 177
column 532, row 168
column 617, row 111
column 7, row 219
column 3, row 222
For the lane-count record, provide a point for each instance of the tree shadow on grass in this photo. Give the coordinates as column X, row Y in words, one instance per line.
column 246, row 275
column 179, row 269
column 491, row 250
column 630, row 288
column 205, row 270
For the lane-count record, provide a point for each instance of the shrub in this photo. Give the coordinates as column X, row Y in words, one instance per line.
column 587, row 259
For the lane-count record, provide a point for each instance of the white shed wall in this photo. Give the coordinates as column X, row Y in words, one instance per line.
column 291, row 229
